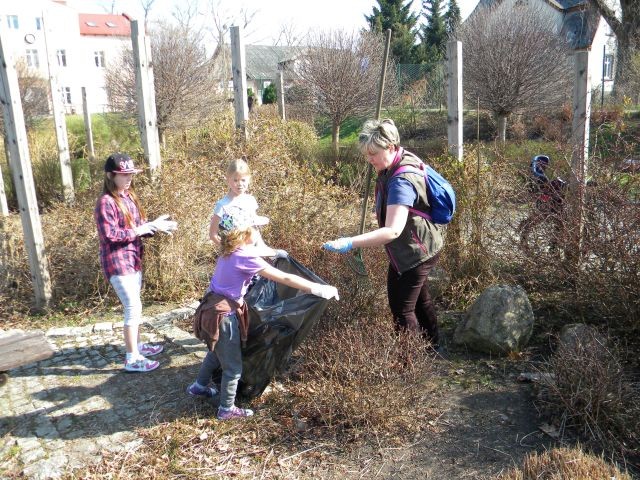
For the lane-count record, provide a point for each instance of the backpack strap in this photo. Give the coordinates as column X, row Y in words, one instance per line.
column 418, row 171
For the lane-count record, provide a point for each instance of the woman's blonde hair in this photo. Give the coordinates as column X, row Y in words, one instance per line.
column 378, row 135
column 238, row 165
column 231, row 240
column 109, row 188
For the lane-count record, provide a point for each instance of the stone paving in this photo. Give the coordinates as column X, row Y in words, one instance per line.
column 62, row 413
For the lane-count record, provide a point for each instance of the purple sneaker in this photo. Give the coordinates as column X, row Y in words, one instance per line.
column 147, row 350
column 233, row 412
column 196, row 390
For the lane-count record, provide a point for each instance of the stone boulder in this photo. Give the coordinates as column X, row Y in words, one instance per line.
column 500, row 321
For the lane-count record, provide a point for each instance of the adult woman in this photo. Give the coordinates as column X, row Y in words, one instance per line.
column 412, row 242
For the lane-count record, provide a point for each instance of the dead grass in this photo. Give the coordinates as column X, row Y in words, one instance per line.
column 564, row 464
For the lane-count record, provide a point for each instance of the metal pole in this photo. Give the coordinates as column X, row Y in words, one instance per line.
column 367, row 185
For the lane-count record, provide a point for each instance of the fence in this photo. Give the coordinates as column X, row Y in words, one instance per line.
column 424, row 81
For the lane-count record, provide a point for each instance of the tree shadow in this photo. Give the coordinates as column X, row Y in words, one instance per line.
column 82, row 394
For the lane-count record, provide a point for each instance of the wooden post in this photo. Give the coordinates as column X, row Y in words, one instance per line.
column 145, row 94
column 238, row 66
column 580, row 155
column 454, row 98
column 16, row 137
column 280, row 91
column 58, row 115
column 87, row 125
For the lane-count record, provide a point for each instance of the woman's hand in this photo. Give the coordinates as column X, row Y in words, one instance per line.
column 341, row 245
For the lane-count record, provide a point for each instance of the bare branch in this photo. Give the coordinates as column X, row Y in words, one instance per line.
column 515, row 61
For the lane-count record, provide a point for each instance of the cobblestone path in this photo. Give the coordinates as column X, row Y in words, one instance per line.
column 61, row 413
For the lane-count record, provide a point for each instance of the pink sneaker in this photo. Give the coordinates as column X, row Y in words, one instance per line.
column 141, row 365
column 147, row 350
column 233, row 412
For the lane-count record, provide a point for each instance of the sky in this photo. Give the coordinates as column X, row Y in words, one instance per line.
column 298, row 16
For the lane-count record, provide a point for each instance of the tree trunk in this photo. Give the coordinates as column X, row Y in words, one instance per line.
column 502, row 127
column 335, row 141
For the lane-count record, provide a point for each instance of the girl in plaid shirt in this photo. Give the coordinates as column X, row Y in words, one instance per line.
column 122, row 223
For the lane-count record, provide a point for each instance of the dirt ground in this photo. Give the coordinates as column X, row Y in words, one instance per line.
column 489, row 420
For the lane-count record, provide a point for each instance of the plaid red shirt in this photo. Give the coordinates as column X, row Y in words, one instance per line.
column 120, row 249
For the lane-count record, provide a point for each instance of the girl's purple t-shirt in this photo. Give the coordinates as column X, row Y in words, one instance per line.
column 233, row 273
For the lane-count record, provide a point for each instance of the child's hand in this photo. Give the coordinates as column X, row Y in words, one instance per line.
column 341, row 245
column 325, row 291
column 146, row 229
column 281, row 253
column 164, row 225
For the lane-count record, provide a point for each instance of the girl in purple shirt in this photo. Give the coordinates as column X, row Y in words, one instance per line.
column 240, row 260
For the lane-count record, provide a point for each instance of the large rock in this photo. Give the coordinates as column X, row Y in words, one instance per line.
column 500, row 321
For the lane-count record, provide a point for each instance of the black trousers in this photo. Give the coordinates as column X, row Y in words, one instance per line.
column 410, row 301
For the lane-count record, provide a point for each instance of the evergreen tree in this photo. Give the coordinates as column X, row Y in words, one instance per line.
column 397, row 16
column 452, row 18
column 433, row 34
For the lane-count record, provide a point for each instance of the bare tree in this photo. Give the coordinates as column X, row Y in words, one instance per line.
column 185, row 89
column 289, row 36
column 340, row 72
column 515, row 60
column 146, row 7
column 34, row 94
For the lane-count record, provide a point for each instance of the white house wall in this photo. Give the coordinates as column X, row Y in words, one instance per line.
column 63, row 34
column 604, row 43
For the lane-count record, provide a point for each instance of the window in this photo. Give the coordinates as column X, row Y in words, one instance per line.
column 66, row 95
column 32, row 58
column 111, row 25
column 62, row 58
column 607, row 66
column 38, row 23
column 98, row 56
column 91, row 24
column 12, row 21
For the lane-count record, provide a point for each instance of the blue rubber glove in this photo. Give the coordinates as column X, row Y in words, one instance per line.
column 341, row 245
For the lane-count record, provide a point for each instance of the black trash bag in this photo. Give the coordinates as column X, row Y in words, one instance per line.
column 280, row 318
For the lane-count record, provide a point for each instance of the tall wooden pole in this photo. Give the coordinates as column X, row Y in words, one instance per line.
column 88, row 131
column 580, row 155
column 146, row 96
column 238, row 66
column 58, row 113
column 454, row 98
column 383, row 76
column 280, row 91
column 16, row 137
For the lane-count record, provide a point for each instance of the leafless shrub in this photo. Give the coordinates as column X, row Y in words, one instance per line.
column 564, row 464
column 363, row 381
column 592, row 393
column 186, row 91
column 34, row 94
column 515, row 60
column 340, row 74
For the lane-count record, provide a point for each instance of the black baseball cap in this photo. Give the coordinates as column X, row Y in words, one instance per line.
column 120, row 163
